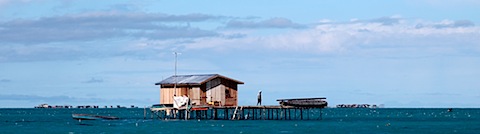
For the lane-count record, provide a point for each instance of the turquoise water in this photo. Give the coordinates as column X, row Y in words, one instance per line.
column 386, row 120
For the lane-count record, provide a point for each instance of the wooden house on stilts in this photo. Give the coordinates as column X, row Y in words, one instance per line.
column 215, row 97
column 202, row 89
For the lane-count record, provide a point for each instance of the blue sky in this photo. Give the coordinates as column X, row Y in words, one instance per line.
column 410, row 53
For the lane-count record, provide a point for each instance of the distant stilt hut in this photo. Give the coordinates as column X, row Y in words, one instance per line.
column 202, row 89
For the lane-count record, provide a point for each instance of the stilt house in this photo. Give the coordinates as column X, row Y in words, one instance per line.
column 201, row 89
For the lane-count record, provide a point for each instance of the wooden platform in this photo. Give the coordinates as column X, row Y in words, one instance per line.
column 274, row 112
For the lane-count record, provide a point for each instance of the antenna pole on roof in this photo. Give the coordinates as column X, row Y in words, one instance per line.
column 175, row 76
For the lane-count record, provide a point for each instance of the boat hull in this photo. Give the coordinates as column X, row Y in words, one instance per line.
column 92, row 117
column 304, row 102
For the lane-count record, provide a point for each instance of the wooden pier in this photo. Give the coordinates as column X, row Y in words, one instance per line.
column 240, row 113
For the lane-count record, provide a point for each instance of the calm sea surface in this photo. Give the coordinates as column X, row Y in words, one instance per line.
column 335, row 120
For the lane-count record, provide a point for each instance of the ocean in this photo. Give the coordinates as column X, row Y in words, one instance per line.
column 334, row 120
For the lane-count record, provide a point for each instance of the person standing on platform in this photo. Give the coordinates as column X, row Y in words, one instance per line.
column 259, row 98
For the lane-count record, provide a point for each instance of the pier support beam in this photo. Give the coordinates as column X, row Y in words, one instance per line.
column 242, row 113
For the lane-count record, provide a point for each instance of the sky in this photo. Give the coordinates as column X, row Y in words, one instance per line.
column 399, row 53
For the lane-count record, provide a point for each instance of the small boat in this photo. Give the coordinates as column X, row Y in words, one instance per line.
column 161, row 107
column 304, row 102
column 93, row 117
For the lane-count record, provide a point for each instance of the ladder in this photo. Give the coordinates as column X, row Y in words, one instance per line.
column 236, row 112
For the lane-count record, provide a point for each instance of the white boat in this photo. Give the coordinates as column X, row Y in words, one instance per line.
column 161, row 107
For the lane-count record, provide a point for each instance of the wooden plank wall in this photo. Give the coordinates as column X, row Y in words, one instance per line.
column 232, row 97
column 218, row 89
column 166, row 94
column 216, row 94
column 194, row 94
column 231, row 100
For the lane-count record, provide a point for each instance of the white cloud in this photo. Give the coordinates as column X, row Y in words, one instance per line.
column 97, row 34
column 65, row 37
column 382, row 35
column 269, row 23
column 101, row 26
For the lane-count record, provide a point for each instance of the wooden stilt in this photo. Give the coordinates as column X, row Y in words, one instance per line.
column 301, row 113
column 308, row 114
column 240, row 113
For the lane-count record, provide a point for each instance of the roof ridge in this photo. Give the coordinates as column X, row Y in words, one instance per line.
column 193, row 79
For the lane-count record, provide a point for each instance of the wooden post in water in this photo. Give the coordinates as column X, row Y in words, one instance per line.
column 215, row 114
column 253, row 113
column 242, row 114
column 308, row 114
column 268, row 114
column 321, row 113
column 144, row 112
column 225, row 113
column 186, row 114
column 289, row 114
column 151, row 114
column 301, row 113
column 277, row 113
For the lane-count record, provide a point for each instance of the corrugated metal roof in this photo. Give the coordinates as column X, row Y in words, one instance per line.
column 191, row 79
